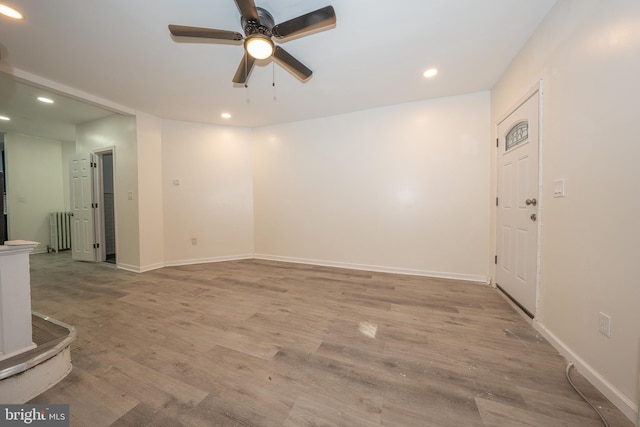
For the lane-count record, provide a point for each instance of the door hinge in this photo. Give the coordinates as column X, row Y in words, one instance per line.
column 497, row 142
column 94, row 205
column 496, row 260
column 96, row 245
column 92, row 164
column 496, row 201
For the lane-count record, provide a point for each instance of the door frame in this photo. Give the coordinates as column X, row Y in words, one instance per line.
column 98, row 189
column 539, row 88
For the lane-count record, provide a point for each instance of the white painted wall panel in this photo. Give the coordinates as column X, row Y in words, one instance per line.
column 119, row 131
column 34, row 186
column 151, row 220
column 402, row 187
column 213, row 202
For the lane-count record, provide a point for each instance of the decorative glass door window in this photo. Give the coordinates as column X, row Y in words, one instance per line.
column 518, row 134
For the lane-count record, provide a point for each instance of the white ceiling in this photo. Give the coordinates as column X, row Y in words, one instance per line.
column 18, row 100
column 121, row 51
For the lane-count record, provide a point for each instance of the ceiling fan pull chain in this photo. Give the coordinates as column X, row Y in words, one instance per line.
column 246, row 73
column 273, row 67
column 246, row 79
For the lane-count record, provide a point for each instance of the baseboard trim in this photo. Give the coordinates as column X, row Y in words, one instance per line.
column 379, row 269
column 151, row 267
column 180, row 262
column 131, row 268
column 363, row 267
column 141, row 269
column 622, row 402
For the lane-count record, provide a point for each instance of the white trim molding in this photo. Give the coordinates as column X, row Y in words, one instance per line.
column 128, row 267
column 33, row 79
column 381, row 269
column 207, row 260
column 151, row 267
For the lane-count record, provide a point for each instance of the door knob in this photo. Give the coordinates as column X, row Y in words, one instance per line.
column 531, row 202
column 533, row 217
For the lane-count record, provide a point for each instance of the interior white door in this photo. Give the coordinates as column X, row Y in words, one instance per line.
column 82, row 206
column 517, row 222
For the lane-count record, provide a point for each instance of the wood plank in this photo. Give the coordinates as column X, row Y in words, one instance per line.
column 92, row 402
column 257, row 342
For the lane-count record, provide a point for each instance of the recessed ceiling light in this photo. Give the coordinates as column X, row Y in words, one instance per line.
column 225, row 115
column 10, row 12
column 431, row 72
column 45, row 100
column 5, row 118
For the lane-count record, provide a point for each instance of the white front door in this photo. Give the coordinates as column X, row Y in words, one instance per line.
column 82, row 206
column 517, row 222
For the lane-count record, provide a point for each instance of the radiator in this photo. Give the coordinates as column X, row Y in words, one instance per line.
column 60, row 225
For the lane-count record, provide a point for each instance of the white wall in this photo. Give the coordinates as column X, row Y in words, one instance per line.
column 68, row 149
column 119, row 132
column 213, row 202
column 586, row 51
column 401, row 188
column 150, row 207
column 34, row 186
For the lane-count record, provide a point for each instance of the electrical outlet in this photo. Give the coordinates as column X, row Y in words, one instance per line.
column 604, row 325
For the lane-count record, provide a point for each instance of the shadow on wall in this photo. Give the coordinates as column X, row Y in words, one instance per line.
column 7, row 85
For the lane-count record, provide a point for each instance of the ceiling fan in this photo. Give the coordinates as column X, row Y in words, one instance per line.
column 260, row 31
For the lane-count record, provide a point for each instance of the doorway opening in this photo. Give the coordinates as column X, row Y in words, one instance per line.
column 92, row 191
column 3, row 200
column 518, row 202
column 105, row 215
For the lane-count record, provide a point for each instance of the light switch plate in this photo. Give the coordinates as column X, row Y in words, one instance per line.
column 558, row 187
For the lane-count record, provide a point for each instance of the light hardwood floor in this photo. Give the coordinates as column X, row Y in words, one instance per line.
column 257, row 343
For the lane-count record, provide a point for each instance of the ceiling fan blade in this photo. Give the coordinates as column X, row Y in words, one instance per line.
column 206, row 33
column 311, row 21
column 244, row 69
column 248, row 9
column 294, row 66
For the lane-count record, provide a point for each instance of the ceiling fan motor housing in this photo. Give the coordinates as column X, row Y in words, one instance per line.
column 263, row 25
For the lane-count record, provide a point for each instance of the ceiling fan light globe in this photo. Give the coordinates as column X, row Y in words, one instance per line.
column 259, row 47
